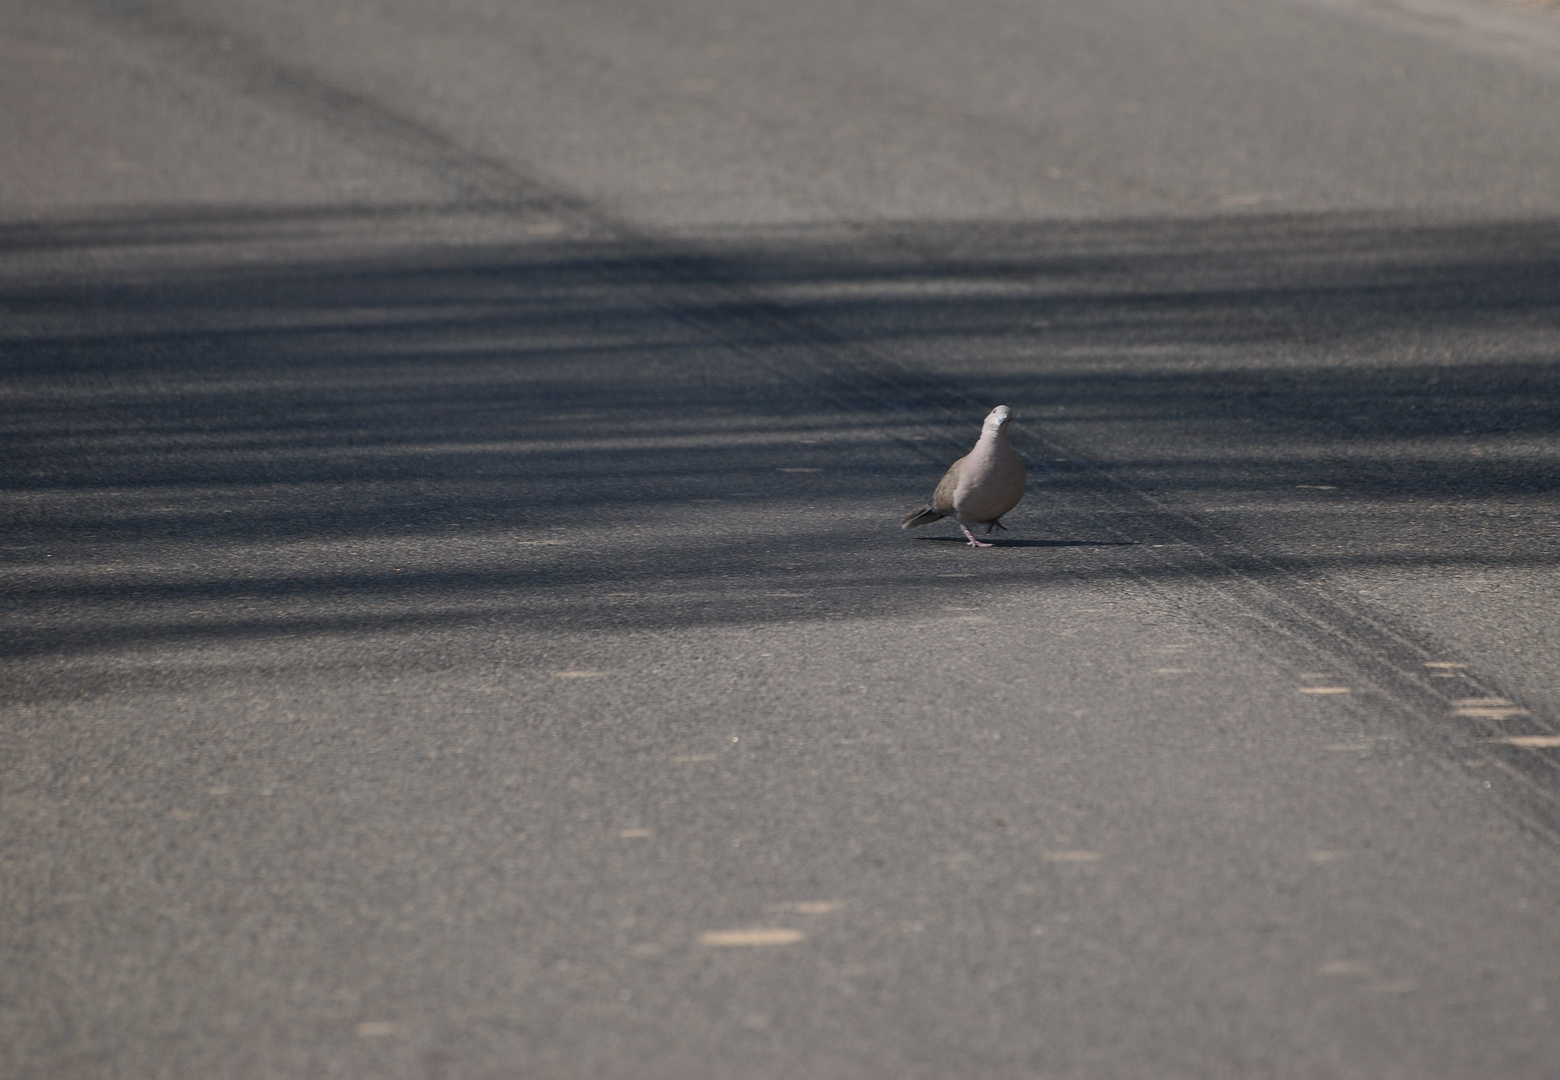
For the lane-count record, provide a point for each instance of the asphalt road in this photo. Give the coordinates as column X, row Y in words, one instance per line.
column 455, row 621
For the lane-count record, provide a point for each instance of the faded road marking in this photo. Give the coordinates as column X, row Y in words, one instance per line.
column 807, row 907
column 1342, row 967
column 1487, row 708
column 757, row 936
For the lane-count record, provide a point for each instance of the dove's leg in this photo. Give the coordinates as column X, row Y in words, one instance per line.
column 971, row 537
column 995, row 523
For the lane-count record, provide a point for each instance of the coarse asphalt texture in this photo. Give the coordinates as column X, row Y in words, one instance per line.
column 455, row 620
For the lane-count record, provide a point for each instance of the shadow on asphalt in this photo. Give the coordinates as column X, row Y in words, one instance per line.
column 214, row 444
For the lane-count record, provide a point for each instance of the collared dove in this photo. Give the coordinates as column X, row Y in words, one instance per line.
column 981, row 486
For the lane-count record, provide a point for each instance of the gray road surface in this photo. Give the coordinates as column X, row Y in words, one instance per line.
column 455, row 618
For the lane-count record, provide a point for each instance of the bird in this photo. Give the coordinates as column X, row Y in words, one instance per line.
column 981, row 486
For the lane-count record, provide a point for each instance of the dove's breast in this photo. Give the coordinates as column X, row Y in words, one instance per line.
column 989, row 485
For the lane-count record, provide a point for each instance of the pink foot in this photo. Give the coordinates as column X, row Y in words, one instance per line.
column 971, row 538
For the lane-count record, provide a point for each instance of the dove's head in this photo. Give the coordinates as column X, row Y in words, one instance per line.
column 997, row 419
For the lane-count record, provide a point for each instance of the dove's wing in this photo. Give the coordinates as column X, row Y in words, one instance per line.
column 948, row 486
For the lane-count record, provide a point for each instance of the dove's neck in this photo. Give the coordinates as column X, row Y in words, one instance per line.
column 993, row 440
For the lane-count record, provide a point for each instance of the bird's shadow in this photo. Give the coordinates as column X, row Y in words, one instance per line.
column 1027, row 543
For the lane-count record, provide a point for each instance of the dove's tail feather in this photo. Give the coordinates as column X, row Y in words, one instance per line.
column 924, row 516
